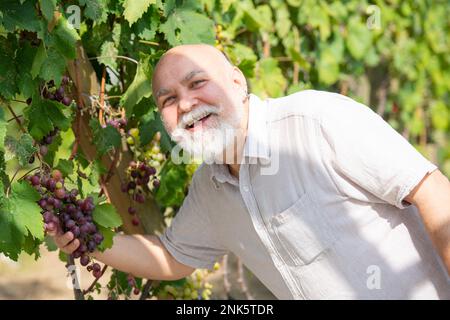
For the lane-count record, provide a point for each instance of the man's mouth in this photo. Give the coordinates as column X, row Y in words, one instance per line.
column 195, row 123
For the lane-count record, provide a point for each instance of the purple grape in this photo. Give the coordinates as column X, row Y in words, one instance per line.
column 96, row 267
column 42, row 203
column 70, row 224
column 131, row 210
column 76, row 254
column 156, row 183
column 35, row 180
column 91, row 246
column 76, row 231
column 84, row 260
column 43, row 150
column 48, row 140
column 98, row 238
column 47, row 216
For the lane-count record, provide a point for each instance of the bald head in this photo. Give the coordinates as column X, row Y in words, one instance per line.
column 196, row 52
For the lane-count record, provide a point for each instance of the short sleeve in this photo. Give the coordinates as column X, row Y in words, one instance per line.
column 368, row 151
column 190, row 238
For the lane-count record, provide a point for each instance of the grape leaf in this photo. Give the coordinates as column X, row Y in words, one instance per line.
column 94, row 9
column 23, row 148
column 47, row 8
column 135, row 9
column 53, row 66
column 44, row 115
column 108, row 236
column 171, row 191
column 64, row 38
column 359, row 38
column 11, row 238
column 31, row 246
column 104, row 138
column 65, row 166
column 188, row 27
column 141, row 87
column 8, row 72
column 50, row 244
column 26, row 212
column 149, row 125
column 106, row 216
column 16, row 15
column 108, row 53
column 2, row 130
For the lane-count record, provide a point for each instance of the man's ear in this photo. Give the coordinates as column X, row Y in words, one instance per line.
column 239, row 78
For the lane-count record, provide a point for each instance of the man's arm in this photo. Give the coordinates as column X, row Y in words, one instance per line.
column 432, row 197
column 142, row 256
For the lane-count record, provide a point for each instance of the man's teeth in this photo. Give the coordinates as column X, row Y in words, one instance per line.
column 191, row 123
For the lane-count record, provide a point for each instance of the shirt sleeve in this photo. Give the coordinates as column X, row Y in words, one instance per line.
column 190, row 238
column 368, row 151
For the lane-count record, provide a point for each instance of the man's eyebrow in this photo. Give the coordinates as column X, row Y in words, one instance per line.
column 188, row 77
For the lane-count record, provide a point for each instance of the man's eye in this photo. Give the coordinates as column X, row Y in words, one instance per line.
column 168, row 99
column 195, row 83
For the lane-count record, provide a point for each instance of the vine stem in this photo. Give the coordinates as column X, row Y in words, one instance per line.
column 91, row 287
column 76, row 291
column 17, row 118
column 146, row 290
column 120, row 57
column 102, row 98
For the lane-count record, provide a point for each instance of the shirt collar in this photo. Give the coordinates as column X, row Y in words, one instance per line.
column 256, row 143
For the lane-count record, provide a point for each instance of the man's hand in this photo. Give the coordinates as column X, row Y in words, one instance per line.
column 431, row 196
column 64, row 241
column 142, row 256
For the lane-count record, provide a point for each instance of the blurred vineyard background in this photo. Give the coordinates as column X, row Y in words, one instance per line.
column 391, row 55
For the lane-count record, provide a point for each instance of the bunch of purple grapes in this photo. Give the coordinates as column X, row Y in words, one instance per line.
column 57, row 94
column 118, row 123
column 139, row 176
column 65, row 209
column 47, row 140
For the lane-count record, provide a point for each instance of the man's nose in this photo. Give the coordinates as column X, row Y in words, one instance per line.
column 187, row 103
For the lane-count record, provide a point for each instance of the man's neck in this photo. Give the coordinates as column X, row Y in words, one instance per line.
column 234, row 167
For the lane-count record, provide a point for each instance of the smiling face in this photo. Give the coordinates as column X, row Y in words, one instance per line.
column 200, row 97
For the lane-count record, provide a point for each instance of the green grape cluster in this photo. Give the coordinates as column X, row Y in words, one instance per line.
column 194, row 288
column 150, row 153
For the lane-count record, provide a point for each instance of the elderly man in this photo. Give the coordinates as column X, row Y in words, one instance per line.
column 318, row 195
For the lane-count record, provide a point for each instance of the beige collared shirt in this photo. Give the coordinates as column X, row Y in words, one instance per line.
column 318, row 210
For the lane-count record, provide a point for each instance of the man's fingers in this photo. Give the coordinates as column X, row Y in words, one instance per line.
column 71, row 247
column 64, row 239
column 50, row 228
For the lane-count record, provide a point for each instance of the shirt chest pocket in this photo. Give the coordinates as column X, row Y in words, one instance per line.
column 301, row 232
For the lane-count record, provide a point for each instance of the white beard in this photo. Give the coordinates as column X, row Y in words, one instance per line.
column 214, row 140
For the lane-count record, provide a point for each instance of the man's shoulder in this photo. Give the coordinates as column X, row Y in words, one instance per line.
column 312, row 104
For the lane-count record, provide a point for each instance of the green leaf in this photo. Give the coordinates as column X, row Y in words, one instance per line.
column 359, row 38
column 38, row 60
column 141, row 87
column 108, row 236
column 31, row 246
column 65, row 38
column 47, row 8
column 94, row 9
column 106, row 216
column 149, row 125
column 270, row 78
column 11, row 238
column 23, row 148
column 440, row 115
column 104, row 138
column 53, row 66
column 44, row 115
column 65, row 166
column 2, row 130
column 8, row 71
column 188, row 27
column 108, row 54
column 17, row 15
column 27, row 214
column 171, row 191
column 50, row 244
column 135, row 9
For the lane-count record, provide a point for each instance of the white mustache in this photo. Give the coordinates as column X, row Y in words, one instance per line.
column 195, row 115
